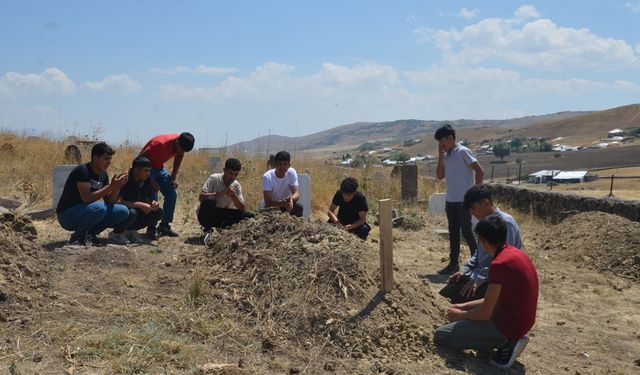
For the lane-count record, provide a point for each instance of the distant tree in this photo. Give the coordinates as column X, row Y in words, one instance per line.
column 516, row 144
column 501, row 150
column 635, row 132
column 400, row 157
column 544, row 146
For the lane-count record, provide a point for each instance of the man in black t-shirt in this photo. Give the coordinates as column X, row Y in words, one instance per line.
column 144, row 211
column 352, row 214
column 81, row 207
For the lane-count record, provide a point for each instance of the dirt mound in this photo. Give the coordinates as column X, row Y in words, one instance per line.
column 309, row 284
column 599, row 241
column 22, row 272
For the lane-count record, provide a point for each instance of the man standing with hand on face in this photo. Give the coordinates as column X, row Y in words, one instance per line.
column 221, row 200
column 280, row 186
column 159, row 150
column 461, row 170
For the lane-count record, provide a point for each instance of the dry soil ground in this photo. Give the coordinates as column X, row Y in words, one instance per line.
column 304, row 303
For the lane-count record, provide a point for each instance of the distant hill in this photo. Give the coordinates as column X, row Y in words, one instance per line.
column 353, row 135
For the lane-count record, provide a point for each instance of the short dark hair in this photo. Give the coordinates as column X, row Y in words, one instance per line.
column 444, row 131
column 141, row 162
column 186, row 141
column 233, row 164
column 476, row 194
column 493, row 229
column 101, row 148
column 349, row 185
column 283, row 156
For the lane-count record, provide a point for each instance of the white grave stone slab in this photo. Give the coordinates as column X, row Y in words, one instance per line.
column 437, row 204
column 60, row 174
column 304, row 184
column 215, row 164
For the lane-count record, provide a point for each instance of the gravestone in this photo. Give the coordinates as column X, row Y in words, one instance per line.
column 215, row 164
column 437, row 204
column 408, row 182
column 60, row 174
column 304, row 184
column 72, row 155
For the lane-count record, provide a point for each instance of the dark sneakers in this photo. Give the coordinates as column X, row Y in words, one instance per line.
column 152, row 234
column 449, row 269
column 165, row 230
column 77, row 241
column 507, row 354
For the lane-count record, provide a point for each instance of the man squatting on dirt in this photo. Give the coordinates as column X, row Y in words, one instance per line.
column 507, row 312
column 457, row 165
column 352, row 211
column 221, row 200
column 87, row 205
column 280, row 186
column 469, row 283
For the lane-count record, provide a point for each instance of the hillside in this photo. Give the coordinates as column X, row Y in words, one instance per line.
column 352, row 135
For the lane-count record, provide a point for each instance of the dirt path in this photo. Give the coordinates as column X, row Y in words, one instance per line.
column 130, row 310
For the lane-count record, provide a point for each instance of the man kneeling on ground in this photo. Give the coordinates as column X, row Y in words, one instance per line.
column 507, row 312
column 221, row 200
column 470, row 283
column 87, row 202
column 280, row 186
column 352, row 214
column 144, row 211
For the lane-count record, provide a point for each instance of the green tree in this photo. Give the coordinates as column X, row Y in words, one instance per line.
column 516, row 144
column 400, row 157
column 501, row 150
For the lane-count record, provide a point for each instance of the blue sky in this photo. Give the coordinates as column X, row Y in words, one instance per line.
column 231, row 71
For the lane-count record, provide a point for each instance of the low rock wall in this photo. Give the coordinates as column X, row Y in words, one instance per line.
column 556, row 206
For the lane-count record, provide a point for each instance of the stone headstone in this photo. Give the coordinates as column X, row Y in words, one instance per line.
column 304, row 184
column 60, row 174
column 408, row 182
column 437, row 204
column 72, row 155
column 215, row 164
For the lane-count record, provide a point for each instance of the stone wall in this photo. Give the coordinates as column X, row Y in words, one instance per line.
column 556, row 206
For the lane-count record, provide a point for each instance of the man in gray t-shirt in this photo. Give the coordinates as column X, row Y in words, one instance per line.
column 469, row 283
column 461, row 170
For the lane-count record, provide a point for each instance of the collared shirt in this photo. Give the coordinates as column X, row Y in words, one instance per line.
column 215, row 184
column 458, row 173
column 477, row 267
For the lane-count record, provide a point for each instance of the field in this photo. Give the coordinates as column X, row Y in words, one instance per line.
column 281, row 295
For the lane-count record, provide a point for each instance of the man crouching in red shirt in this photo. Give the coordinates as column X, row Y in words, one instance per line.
column 507, row 312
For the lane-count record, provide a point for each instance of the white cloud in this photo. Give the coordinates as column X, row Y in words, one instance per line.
column 119, row 83
column 526, row 12
column 538, row 43
column 200, row 69
column 50, row 81
column 468, row 13
column 412, row 19
column 634, row 7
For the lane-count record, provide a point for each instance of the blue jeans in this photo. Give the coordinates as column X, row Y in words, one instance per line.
column 469, row 334
column 92, row 218
column 163, row 178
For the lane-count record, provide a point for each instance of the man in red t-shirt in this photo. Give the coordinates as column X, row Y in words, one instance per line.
column 507, row 312
column 159, row 150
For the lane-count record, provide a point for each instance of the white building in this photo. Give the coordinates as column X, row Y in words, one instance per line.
column 615, row 133
column 572, row 177
column 542, row 177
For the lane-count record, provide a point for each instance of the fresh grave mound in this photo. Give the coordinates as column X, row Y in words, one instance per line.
column 307, row 284
column 599, row 240
column 22, row 271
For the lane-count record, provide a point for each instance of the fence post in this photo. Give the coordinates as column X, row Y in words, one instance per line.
column 519, row 173
column 611, row 188
column 492, row 166
column 386, row 246
column 506, row 180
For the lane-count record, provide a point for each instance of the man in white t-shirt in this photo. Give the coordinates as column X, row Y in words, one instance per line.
column 461, row 170
column 221, row 200
column 280, row 186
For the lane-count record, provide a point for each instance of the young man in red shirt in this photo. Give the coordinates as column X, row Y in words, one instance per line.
column 507, row 312
column 159, row 150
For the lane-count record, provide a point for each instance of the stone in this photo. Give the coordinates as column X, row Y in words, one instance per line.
column 10, row 204
column 72, row 155
column 60, row 174
column 408, row 182
column 304, row 184
column 437, row 204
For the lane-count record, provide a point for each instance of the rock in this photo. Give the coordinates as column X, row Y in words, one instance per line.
column 41, row 214
column 37, row 357
column 10, row 204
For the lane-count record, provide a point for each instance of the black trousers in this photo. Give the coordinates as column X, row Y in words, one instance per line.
column 452, row 291
column 459, row 219
column 361, row 231
column 211, row 216
column 138, row 219
column 297, row 209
